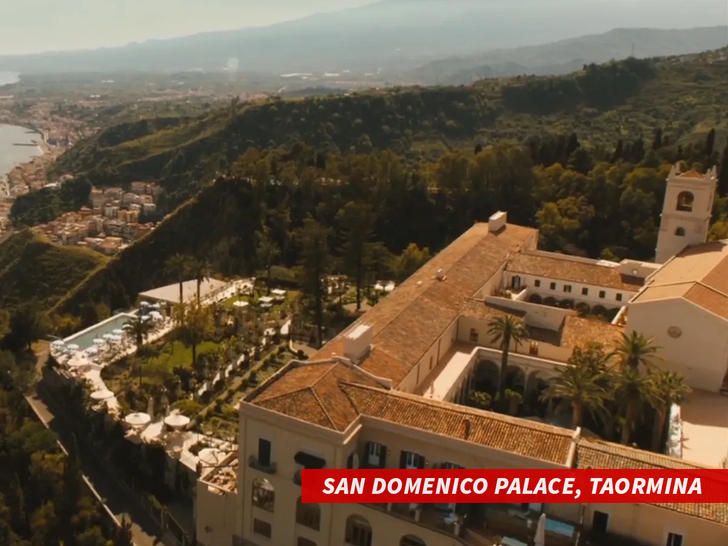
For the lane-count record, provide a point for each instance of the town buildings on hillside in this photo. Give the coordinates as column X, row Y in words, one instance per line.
column 388, row 393
column 111, row 222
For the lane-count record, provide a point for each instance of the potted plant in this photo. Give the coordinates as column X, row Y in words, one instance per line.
column 515, row 399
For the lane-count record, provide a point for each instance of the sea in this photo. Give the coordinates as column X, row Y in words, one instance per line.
column 11, row 154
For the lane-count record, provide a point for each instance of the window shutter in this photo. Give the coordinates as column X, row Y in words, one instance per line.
column 402, row 459
column 383, row 457
column 420, row 462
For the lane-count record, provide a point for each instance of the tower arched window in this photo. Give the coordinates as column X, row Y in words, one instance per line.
column 680, row 232
column 685, row 200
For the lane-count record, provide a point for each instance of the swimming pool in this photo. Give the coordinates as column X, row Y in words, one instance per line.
column 85, row 338
column 560, row 528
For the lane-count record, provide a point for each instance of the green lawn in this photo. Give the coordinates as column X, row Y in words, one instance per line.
column 177, row 355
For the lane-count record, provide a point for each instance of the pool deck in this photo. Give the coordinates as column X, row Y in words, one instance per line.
column 97, row 326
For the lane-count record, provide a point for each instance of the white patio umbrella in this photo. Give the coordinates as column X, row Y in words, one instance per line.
column 540, row 538
column 156, row 315
column 115, row 338
column 99, row 341
column 155, row 306
column 92, row 351
column 108, row 337
column 240, row 304
column 58, row 343
column 176, row 420
column 73, row 347
column 145, row 304
column 118, row 332
column 102, row 394
column 137, row 419
column 146, row 318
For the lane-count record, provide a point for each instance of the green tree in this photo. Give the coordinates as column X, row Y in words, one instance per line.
column 581, row 382
column 506, row 330
column 670, row 388
column 481, row 400
column 314, row 264
column 27, row 325
column 195, row 323
column 710, row 143
column 412, row 258
column 139, row 330
column 634, row 390
column 356, row 221
column 201, row 270
column 267, row 251
column 178, row 265
column 124, row 536
column 634, row 349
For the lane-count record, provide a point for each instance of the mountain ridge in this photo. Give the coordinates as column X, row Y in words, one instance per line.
column 391, row 35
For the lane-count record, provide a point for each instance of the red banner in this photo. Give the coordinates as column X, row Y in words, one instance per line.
column 491, row 486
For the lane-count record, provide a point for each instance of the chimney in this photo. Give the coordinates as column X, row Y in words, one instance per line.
column 440, row 275
column 466, row 429
column 497, row 221
column 358, row 342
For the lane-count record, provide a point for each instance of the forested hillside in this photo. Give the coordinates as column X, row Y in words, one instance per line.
column 33, row 270
column 43, row 501
column 602, row 104
column 583, row 204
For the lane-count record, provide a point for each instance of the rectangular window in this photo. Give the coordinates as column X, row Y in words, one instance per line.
column 473, row 335
column 567, row 288
column 619, row 297
column 673, row 539
column 376, row 455
column 602, row 294
column 600, row 522
column 431, row 360
column 264, row 452
column 553, row 286
column 305, row 542
column 537, row 283
column 350, row 461
column 411, row 461
column 584, row 291
column 262, row 528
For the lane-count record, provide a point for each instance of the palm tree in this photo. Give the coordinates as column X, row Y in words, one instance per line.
column 581, row 382
column 504, row 330
column 634, row 389
column 670, row 388
column 138, row 329
column 635, row 349
column 200, row 271
column 195, row 322
column 179, row 266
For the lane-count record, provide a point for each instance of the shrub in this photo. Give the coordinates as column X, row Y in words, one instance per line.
column 535, row 298
column 190, row 408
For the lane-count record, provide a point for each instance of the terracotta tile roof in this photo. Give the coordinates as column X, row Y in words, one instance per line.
column 578, row 331
column 501, row 432
column 603, row 455
column 692, row 174
column 408, row 321
column 565, row 269
column 698, row 274
column 482, row 310
column 310, row 392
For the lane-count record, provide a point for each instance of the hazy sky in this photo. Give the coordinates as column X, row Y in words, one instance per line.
column 37, row 25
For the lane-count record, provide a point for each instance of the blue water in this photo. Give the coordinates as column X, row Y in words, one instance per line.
column 559, row 528
column 85, row 339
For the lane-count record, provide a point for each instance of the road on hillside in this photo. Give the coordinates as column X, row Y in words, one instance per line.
column 121, row 502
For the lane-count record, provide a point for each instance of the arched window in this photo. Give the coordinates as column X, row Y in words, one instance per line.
column 411, row 540
column 308, row 515
column 264, row 495
column 358, row 531
column 680, row 232
column 685, row 201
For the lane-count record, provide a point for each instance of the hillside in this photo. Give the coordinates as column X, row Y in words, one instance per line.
column 34, row 270
column 566, row 56
column 603, row 104
column 390, row 34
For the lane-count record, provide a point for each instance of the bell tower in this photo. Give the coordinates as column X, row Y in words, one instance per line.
column 686, row 211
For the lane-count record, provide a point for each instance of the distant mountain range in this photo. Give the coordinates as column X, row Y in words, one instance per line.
column 566, row 56
column 390, row 35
